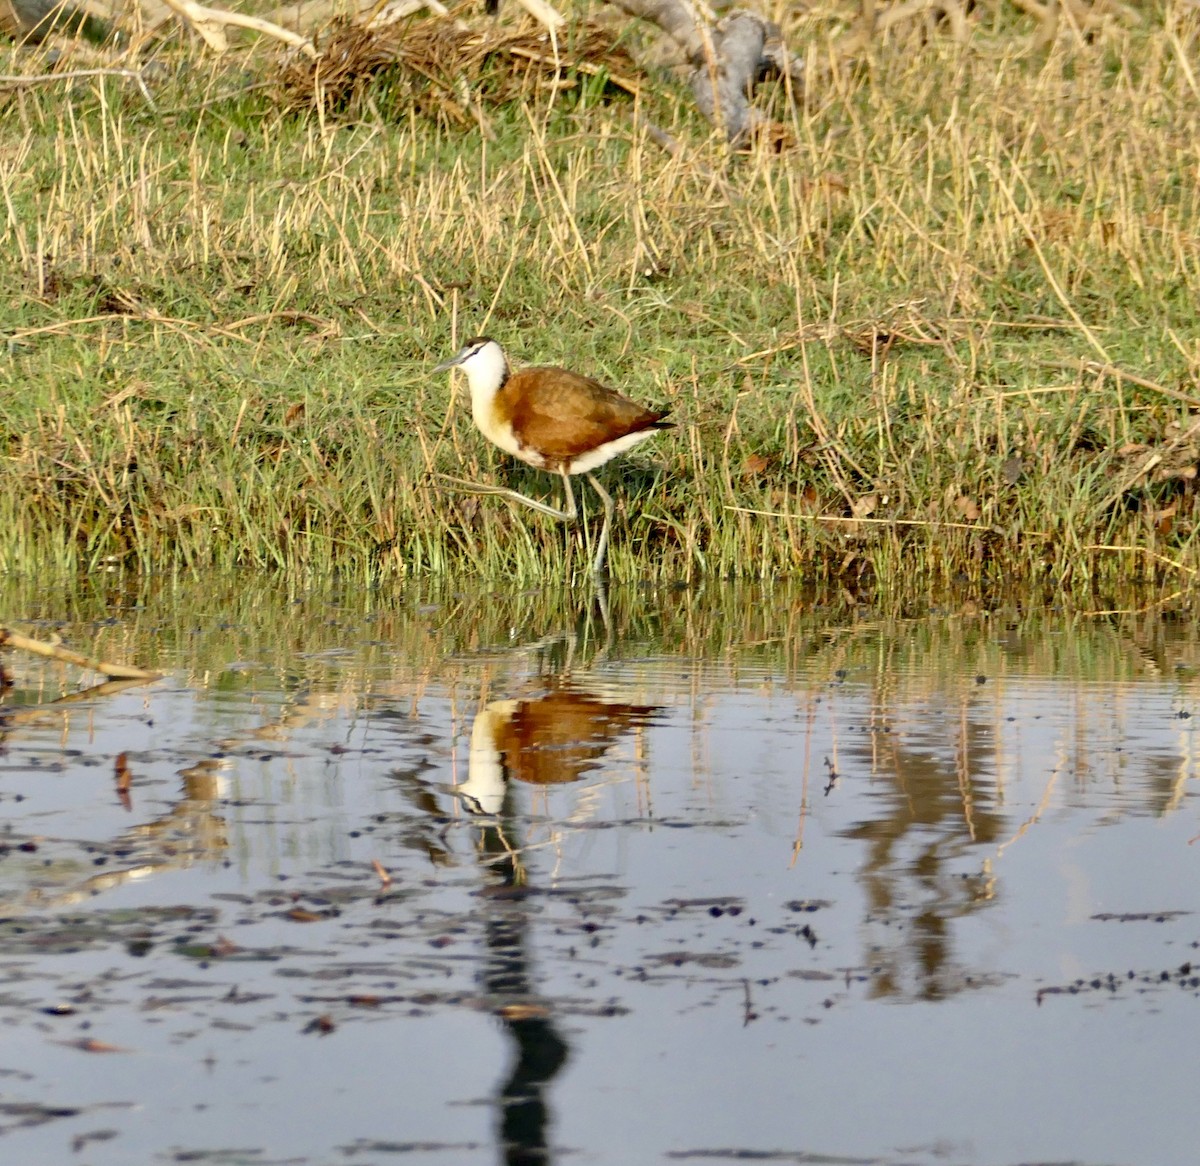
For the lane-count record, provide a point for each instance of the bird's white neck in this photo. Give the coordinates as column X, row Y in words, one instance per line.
column 486, row 370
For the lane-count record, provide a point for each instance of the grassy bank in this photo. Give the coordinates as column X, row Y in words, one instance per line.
column 220, row 317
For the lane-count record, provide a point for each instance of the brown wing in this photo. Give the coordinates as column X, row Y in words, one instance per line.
column 558, row 737
column 562, row 414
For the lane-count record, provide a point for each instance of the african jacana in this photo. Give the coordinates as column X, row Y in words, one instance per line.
column 553, row 739
column 552, row 419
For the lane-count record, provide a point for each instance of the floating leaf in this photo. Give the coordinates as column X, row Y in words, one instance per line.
column 303, row 915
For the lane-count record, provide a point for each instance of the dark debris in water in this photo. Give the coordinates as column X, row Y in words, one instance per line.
column 1185, row 977
column 800, row 1158
column 15, row 1115
column 1139, row 916
column 81, row 931
column 245, row 960
column 371, row 1146
column 233, row 1157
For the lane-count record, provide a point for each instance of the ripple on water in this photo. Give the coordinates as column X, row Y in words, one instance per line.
column 407, row 881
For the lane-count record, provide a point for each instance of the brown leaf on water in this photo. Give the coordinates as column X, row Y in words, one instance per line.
column 322, row 1024
column 364, row 1000
column 967, row 508
column 523, row 1012
column 124, row 778
column 224, row 946
column 90, row 1045
column 302, row 915
column 385, row 879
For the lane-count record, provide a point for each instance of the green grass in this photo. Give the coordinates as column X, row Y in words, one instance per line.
column 220, row 318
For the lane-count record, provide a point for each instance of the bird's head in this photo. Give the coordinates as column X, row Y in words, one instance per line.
column 482, row 359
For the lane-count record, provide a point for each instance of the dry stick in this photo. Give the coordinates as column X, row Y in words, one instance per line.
column 1042, row 805
column 1111, row 370
column 32, row 714
column 210, row 24
column 544, row 13
column 16, row 80
column 585, row 67
column 1135, row 610
column 1136, row 550
column 390, row 13
column 288, row 315
column 929, row 522
column 11, row 639
column 19, row 334
column 189, row 329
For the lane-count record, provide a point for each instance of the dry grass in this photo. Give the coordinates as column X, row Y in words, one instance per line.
column 444, row 70
column 963, row 307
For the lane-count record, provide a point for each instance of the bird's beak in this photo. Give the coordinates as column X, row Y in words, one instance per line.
column 455, row 359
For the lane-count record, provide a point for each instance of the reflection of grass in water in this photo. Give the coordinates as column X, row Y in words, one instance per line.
column 226, row 316
column 243, row 634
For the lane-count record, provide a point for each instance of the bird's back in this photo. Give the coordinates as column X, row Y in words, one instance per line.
column 561, row 415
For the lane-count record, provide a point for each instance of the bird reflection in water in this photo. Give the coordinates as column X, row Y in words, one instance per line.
column 552, row 739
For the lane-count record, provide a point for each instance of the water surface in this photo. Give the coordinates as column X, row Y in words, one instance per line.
column 705, row 875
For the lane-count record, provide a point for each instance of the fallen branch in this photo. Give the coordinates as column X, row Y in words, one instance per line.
column 932, row 523
column 543, row 13
column 1120, row 374
column 19, row 81
column 728, row 58
column 11, row 639
column 1139, row 550
column 210, row 24
column 36, row 713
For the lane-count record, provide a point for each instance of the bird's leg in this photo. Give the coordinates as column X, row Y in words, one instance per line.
column 568, row 514
column 602, row 543
column 465, row 487
column 601, row 591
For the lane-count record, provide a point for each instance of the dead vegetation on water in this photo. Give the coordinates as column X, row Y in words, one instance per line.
column 946, row 337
